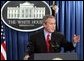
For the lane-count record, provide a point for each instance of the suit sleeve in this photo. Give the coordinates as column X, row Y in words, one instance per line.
column 31, row 45
column 68, row 46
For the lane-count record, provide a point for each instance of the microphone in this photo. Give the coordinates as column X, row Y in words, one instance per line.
column 54, row 45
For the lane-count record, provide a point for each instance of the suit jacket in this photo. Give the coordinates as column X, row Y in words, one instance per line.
column 37, row 43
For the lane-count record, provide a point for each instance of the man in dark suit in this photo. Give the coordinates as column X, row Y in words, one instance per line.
column 48, row 40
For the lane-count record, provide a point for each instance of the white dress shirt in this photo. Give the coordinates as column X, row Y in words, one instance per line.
column 46, row 33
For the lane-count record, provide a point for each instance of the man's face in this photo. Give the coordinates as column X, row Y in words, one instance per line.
column 50, row 25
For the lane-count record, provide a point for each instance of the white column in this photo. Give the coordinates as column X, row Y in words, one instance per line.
column 8, row 13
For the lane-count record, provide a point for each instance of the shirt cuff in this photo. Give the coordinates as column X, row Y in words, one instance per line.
column 74, row 44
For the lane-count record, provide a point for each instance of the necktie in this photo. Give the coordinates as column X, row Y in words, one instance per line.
column 47, row 42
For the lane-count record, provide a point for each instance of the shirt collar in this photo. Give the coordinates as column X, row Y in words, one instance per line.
column 46, row 33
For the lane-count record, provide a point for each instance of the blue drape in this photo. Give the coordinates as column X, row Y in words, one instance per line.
column 69, row 20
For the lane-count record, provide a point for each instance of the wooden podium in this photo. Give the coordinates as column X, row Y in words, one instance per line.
column 55, row 56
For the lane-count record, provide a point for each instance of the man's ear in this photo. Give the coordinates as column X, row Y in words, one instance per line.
column 44, row 24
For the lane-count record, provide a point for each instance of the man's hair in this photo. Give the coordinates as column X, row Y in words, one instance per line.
column 46, row 17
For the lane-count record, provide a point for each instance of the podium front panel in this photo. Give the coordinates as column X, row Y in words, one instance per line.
column 55, row 56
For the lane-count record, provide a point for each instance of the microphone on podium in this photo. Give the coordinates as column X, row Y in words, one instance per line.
column 54, row 45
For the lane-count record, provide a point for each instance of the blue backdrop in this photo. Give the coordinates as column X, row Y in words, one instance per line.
column 69, row 20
